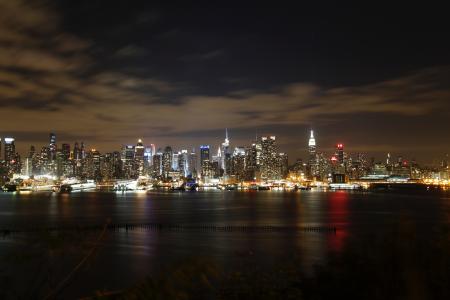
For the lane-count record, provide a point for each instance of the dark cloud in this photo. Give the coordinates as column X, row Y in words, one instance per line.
column 113, row 73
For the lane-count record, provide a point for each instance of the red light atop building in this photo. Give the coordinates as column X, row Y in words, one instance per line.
column 334, row 159
column 340, row 146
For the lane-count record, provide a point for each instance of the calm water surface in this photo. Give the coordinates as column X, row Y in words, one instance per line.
column 125, row 258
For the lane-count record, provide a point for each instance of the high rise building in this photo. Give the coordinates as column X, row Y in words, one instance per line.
column 175, row 158
column 93, row 165
column 12, row 159
column 251, row 162
column 167, row 161
column 312, row 161
column 283, row 164
column 205, row 162
column 269, row 159
column 148, row 159
column 116, row 165
column 225, row 155
column 66, row 162
column 128, row 154
column 139, row 157
column 10, row 150
column 340, row 153
column 52, row 147
column 237, row 164
column 192, row 170
column 157, row 163
column 183, row 163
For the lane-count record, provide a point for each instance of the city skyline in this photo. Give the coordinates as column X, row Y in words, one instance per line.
column 108, row 75
column 302, row 152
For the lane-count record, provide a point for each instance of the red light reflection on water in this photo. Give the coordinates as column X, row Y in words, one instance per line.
column 338, row 217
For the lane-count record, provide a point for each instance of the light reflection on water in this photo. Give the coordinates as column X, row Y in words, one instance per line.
column 138, row 253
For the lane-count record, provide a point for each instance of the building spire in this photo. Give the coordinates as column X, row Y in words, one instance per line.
column 312, row 140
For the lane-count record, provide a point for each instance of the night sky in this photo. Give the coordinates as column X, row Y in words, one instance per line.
column 376, row 78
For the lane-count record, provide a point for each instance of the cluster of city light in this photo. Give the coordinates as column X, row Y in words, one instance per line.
column 259, row 164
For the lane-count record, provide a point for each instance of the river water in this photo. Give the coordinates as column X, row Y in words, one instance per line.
column 123, row 258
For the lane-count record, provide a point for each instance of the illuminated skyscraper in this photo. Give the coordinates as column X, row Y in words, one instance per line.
column 193, row 163
column 175, row 157
column 52, row 147
column 225, row 154
column 312, row 161
column 237, row 164
column 139, row 157
column 93, row 165
column 10, row 150
column 205, row 162
column 167, row 161
column 183, row 163
column 269, row 159
column 251, row 162
column 128, row 153
column 157, row 163
column 340, row 153
column 12, row 159
column 148, row 159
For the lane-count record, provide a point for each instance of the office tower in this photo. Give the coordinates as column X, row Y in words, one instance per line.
column 269, row 160
column 93, row 170
column 116, row 165
column 66, row 160
column 205, row 163
column 148, row 159
column 139, row 158
column 52, row 147
column 157, row 163
column 251, row 162
column 340, row 153
column 167, row 161
column 193, row 164
column 77, row 160
column 312, row 151
column 128, row 153
column 33, row 160
column 175, row 157
column 10, row 151
column 83, row 151
column 217, row 163
column 12, row 158
column 225, row 154
column 237, row 164
column 106, row 166
column 283, row 164
column 183, row 163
